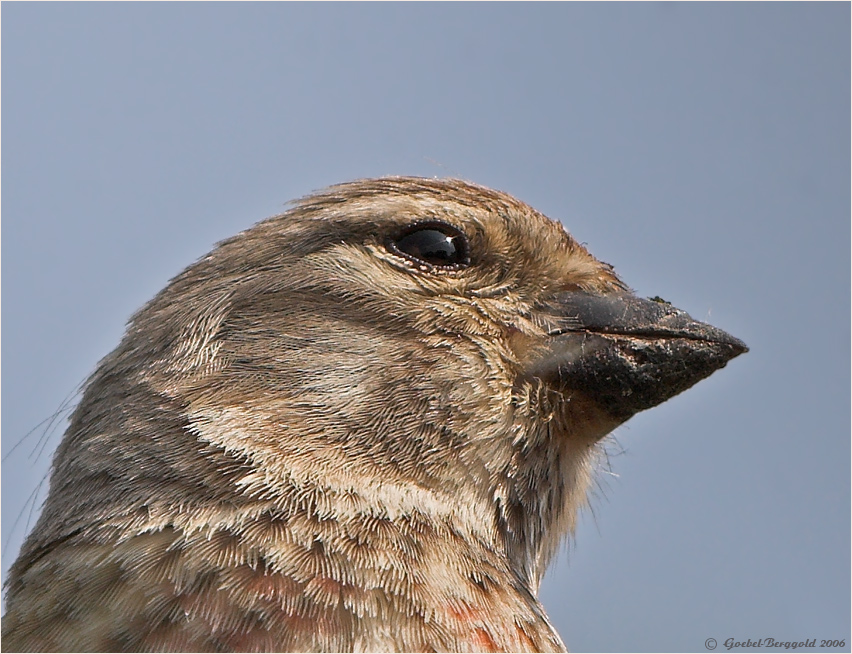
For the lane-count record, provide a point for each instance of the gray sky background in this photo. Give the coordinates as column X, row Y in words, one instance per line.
column 703, row 149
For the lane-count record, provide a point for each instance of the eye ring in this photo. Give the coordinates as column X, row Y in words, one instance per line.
column 432, row 244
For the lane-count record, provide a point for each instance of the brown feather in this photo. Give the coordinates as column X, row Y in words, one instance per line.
column 307, row 441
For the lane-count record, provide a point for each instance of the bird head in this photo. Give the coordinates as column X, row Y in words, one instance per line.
column 428, row 355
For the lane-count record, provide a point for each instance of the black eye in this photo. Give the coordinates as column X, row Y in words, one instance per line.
column 436, row 244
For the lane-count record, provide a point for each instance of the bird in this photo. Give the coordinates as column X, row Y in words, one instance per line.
column 365, row 424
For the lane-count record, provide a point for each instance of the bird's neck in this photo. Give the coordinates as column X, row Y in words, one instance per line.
column 300, row 580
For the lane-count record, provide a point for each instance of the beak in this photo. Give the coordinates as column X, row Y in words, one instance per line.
column 627, row 353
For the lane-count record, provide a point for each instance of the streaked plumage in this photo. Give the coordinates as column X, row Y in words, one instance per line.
column 324, row 436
